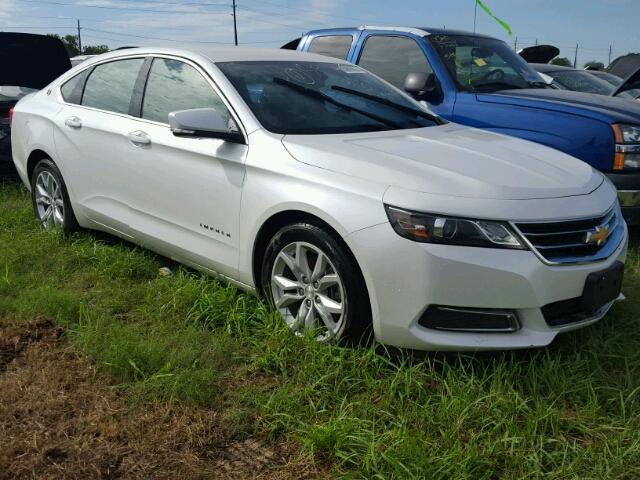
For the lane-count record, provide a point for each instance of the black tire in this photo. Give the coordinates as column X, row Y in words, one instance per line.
column 69, row 223
column 357, row 319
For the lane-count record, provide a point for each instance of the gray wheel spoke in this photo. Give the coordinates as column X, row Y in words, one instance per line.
column 326, row 318
column 57, row 217
column 320, row 267
column 288, row 299
column 331, row 306
column 286, row 283
column 292, row 264
column 42, row 192
column 328, row 281
column 302, row 261
column 310, row 318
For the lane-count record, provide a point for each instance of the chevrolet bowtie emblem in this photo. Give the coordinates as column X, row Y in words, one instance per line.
column 599, row 236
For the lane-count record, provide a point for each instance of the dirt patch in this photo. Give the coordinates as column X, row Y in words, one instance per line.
column 59, row 421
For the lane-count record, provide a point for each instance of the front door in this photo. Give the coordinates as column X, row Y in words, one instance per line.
column 186, row 203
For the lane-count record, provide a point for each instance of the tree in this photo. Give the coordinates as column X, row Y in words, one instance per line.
column 95, row 49
column 562, row 61
column 70, row 43
column 595, row 65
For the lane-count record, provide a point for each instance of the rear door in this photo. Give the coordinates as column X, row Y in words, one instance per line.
column 186, row 199
column 91, row 140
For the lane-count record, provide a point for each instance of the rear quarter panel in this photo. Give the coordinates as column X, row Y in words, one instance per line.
column 32, row 130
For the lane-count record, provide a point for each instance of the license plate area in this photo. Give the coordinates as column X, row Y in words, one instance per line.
column 602, row 288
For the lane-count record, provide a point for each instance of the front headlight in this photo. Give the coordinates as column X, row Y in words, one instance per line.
column 627, row 147
column 431, row 228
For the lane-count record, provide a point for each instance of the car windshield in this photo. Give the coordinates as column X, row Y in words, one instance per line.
column 308, row 98
column 11, row 93
column 581, row 81
column 479, row 64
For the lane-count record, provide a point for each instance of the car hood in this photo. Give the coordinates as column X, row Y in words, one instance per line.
column 631, row 83
column 601, row 107
column 539, row 53
column 31, row 61
column 449, row 160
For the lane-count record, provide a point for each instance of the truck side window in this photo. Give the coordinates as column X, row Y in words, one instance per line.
column 336, row 46
column 393, row 57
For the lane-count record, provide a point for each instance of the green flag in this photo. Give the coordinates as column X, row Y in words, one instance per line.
column 505, row 25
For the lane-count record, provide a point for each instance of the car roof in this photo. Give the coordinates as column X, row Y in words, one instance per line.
column 219, row 53
column 420, row 31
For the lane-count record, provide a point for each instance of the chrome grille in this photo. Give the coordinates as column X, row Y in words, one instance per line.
column 575, row 241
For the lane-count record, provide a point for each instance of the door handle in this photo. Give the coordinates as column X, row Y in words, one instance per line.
column 73, row 122
column 139, row 138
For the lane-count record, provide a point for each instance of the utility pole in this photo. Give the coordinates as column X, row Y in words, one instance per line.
column 536, row 42
column 575, row 59
column 79, row 38
column 235, row 24
column 515, row 44
column 610, row 51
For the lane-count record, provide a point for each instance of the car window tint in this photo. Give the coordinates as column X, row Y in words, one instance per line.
column 68, row 88
column 110, row 85
column 336, row 46
column 173, row 85
column 393, row 58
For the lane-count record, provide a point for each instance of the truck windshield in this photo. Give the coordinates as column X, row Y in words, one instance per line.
column 479, row 64
column 307, row 98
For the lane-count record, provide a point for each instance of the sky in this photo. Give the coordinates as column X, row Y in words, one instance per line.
column 595, row 25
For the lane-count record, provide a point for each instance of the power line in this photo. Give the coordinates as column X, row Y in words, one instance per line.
column 152, row 38
column 131, row 9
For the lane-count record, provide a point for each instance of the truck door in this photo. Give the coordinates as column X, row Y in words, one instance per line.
column 392, row 56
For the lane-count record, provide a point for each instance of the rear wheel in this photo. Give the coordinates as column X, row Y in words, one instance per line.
column 315, row 285
column 50, row 198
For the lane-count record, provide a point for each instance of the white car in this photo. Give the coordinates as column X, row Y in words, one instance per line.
column 336, row 195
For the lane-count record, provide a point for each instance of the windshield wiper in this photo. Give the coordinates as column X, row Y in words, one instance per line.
column 537, row 84
column 321, row 96
column 389, row 103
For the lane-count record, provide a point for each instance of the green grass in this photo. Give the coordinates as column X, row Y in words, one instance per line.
column 569, row 411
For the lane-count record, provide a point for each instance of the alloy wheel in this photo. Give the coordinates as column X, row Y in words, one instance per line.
column 308, row 291
column 49, row 200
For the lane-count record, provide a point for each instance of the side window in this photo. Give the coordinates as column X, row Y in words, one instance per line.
column 392, row 58
column 71, row 88
column 173, row 85
column 110, row 85
column 336, row 46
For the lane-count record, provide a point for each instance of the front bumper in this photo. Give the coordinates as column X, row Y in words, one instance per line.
column 628, row 186
column 404, row 278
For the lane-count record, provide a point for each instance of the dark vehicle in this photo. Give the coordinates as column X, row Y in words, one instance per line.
column 479, row 81
column 617, row 82
column 29, row 63
column 587, row 81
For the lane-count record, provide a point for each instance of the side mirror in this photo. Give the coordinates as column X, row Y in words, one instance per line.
column 420, row 85
column 547, row 78
column 203, row 122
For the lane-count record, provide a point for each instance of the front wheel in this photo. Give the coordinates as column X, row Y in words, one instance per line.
column 315, row 284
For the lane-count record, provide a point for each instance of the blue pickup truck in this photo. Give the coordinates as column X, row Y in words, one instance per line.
column 480, row 81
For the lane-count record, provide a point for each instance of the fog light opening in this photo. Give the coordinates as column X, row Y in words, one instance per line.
column 471, row 320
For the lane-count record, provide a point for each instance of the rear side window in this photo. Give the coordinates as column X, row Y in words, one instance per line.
column 110, row 85
column 336, row 46
column 174, row 85
column 392, row 58
column 72, row 89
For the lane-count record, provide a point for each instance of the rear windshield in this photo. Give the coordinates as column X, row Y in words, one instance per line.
column 322, row 98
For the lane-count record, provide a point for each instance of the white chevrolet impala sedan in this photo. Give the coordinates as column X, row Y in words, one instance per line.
column 346, row 203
